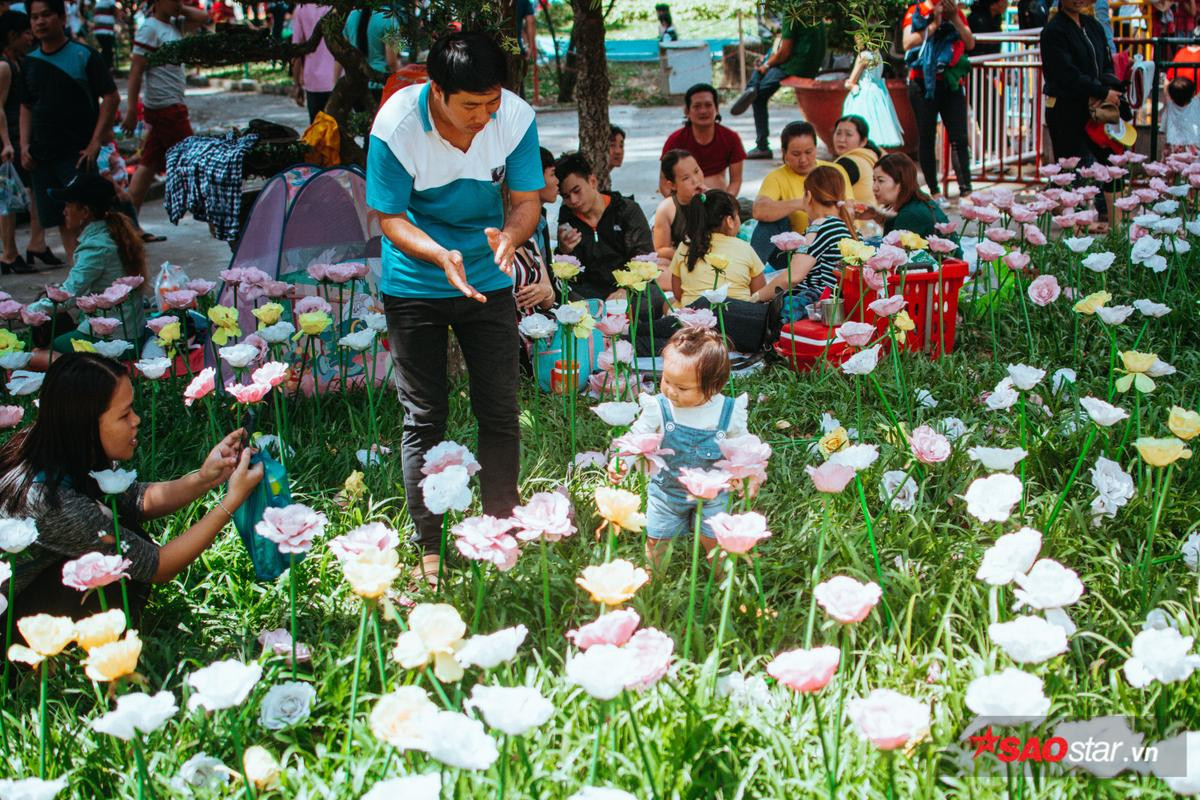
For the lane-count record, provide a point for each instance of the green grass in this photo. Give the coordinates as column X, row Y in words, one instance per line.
column 698, row 745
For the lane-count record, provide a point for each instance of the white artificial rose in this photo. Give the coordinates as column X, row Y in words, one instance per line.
column 286, row 705
column 1029, row 640
column 491, row 650
column 223, row 684
column 1013, row 554
column 1011, row 693
column 514, row 710
column 136, row 713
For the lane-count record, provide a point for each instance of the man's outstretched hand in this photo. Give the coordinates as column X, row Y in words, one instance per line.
column 451, row 263
column 502, row 245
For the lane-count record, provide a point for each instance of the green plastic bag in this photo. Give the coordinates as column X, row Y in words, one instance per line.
column 272, row 492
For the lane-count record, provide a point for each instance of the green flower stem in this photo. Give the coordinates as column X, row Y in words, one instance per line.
column 503, row 767
column 117, row 543
column 653, row 351
column 153, row 419
column 725, row 341
column 545, row 566
column 891, row 774
column 843, row 670
column 442, row 551
column 702, row 617
column 573, row 376
column 1024, row 443
column 1024, row 313
column 687, row 636
column 241, row 753
column 480, row 591
column 862, row 499
column 816, row 575
column 1112, row 362
column 379, row 661
column 358, row 650
column 43, row 730
column 292, row 604
column 144, row 785
column 1087, row 445
column 1160, row 495
column 641, row 746
column 901, row 438
column 591, row 778
column 725, row 605
column 830, row 777
column 1137, row 414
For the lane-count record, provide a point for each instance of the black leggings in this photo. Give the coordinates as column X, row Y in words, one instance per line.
column 951, row 104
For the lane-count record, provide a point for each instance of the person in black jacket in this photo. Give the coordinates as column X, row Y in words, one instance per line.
column 604, row 230
column 1077, row 68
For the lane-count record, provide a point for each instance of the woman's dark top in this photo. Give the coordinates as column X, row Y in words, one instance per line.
column 70, row 524
column 679, row 224
column 12, row 105
column 1076, row 62
column 918, row 216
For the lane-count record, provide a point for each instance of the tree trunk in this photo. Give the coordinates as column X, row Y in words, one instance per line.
column 351, row 88
column 592, row 85
column 512, row 47
column 569, row 70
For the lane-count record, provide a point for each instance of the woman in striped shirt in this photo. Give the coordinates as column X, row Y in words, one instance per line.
column 831, row 222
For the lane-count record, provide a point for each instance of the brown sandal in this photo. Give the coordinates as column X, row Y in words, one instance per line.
column 426, row 572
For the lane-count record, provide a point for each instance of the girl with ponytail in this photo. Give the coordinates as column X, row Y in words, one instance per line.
column 712, row 254
column 830, row 223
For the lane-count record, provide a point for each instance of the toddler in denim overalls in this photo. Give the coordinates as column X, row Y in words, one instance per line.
column 693, row 417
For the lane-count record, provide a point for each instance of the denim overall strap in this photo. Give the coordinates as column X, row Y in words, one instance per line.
column 726, row 415
column 667, row 418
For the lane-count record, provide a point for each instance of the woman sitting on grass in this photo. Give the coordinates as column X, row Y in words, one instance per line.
column 86, row 423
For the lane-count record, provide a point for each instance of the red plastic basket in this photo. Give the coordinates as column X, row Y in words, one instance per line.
column 802, row 342
column 932, row 303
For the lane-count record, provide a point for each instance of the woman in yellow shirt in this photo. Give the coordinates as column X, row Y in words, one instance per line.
column 713, row 255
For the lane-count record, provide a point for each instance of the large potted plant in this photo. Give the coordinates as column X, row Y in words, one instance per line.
column 860, row 25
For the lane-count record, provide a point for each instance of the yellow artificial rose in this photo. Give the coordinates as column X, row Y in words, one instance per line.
column 1133, row 361
column 398, row 716
column 115, row 660
column 565, row 270
column 100, row 629
column 1184, row 423
column 225, row 324
column 1136, row 364
column 583, row 329
column 621, row 508
column 169, row 333
column 372, row 572
column 1161, row 452
column 45, row 634
column 267, row 314
column 23, row 655
column 435, row 633
column 854, row 251
column 646, row 270
column 612, row 583
column 904, row 322
column 833, row 441
column 354, row 486
column 718, row 263
column 911, row 241
column 628, row 279
column 261, row 767
column 10, row 342
column 313, row 323
column 82, row 346
column 1089, row 304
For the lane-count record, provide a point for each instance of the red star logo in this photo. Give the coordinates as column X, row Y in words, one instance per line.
column 985, row 743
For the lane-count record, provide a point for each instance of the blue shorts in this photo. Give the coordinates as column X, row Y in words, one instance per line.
column 669, row 514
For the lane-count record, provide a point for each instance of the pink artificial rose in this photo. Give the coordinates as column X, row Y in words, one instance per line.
column 941, row 246
column 180, row 298
column 888, row 258
column 1044, row 290
column 946, row 228
column 696, row 317
column 874, row 279
column 988, row 251
column 234, row 275
column 312, row 303
column 886, row 306
column 158, row 323
column 11, row 309
column 805, row 671
column 33, row 318
column 341, row 273
column 447, row 454
column 264, row 347
column 988, row 215
column 738, row 533
column 318, row 272
column 745, row 459
column 374, row 536
column 704, row 484
column 248, row 393
column 605, row 363
column 1050, row 170
column 1002, row 198
column 613, row 325
column 93, row 570
column 968, row 212
column 279, row 642
column 1063, row 179
column 277, row 288
column 788, row 240
column 1066, row 221
column 104, row 326
column 487, row 538
column 271, row 374
column 590, row 458
column 201, row 385
column 250, row 292
column 1155, row 168
column 1069, row 163
column 57, row 294
column 132, row 281
column 254, row 275
column 929, row 446
column 11, row 416
column 888, row 719
column 830, row 477
column 200, row 286
column 615, row 628
column 999, row 235
column 644, row 449
column 1146, row 196
column 856, row 334
column 1069, row 200
column 1022, row 214
column 1016, row 260
column 292, row 528
column 116, row 294
column 652, row 650
column 1034, row 235
column 846, row 600
column 546, row 516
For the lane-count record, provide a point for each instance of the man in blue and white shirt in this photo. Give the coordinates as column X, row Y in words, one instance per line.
column 438, row 155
